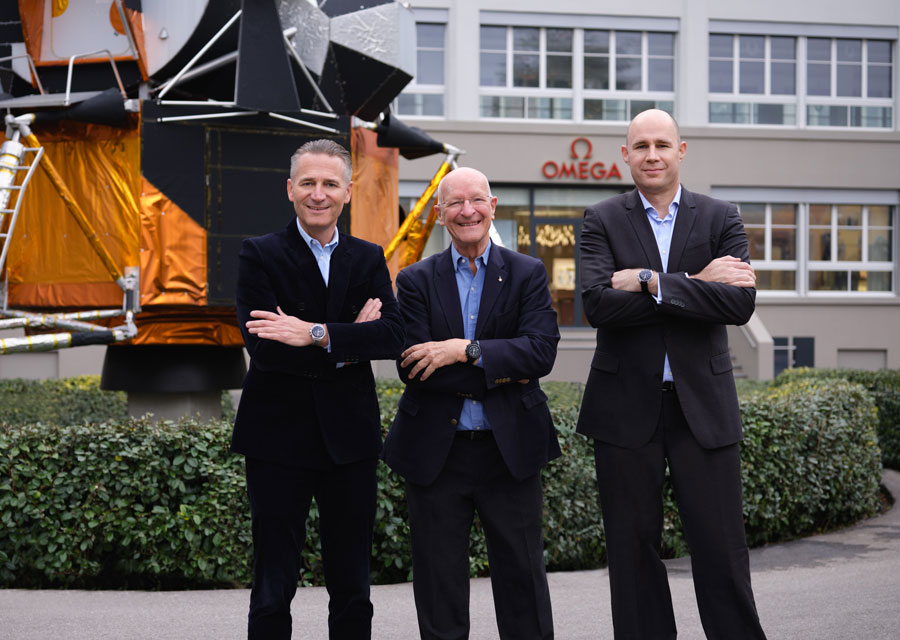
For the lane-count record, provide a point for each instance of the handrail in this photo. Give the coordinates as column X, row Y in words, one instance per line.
column 86, row 55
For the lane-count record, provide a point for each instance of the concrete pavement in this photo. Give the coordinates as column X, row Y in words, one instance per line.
column 838, row 586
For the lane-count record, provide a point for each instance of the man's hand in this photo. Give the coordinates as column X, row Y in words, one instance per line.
column 370, row 311
column 282, row 328
column 627, row 280
column 728, row 270
column 430, row 356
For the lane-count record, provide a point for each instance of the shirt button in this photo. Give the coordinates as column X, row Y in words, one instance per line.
column 454, row 421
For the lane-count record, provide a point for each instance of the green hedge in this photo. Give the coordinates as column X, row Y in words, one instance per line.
column 60, row 401
column 882, row 385
column 810, row 458
column 132, row 503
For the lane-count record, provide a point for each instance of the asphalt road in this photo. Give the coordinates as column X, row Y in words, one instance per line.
column 838, row 586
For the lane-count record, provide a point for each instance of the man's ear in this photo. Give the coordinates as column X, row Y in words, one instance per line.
column 625, row 153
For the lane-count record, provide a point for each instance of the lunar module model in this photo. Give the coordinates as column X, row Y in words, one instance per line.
column 144, row 139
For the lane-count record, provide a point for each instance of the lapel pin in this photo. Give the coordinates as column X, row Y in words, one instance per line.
column 499, row 278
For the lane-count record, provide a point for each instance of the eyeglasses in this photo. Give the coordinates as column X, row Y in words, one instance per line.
column 479, row 202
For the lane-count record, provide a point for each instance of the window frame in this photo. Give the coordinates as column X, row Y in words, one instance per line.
column 802, row 102
column 418, row 90
column 803, row 199
column 573, row 100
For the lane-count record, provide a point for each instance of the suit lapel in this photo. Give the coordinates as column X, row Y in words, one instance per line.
column 312, row 288
column 684, row 223
column 637, row 216
column 495, row 278
column 338, row 278
column 448, row 293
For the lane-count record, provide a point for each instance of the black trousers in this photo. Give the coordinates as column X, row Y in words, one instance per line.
column 280, row 499
column 475, row 478
column 707, row 485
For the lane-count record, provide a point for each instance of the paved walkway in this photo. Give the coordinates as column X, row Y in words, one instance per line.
column 838, row 586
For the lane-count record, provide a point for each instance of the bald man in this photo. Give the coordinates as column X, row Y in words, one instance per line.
column 663, row 270
column 473, row 428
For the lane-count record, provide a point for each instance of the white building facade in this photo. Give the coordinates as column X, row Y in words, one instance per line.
column 788, row 108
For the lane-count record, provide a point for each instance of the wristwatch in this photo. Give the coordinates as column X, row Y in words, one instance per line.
column 317, row 333
column 473, row 352
column 645, row 276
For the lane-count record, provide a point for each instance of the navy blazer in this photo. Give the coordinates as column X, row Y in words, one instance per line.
column 518, row 334
column 297, row 408
column 623, row 394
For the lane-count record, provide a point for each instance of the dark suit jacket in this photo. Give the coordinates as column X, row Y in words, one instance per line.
column 622, row 397
column 518, row 334
column 296, row 407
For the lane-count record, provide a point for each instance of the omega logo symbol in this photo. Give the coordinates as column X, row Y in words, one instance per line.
column 580, row 168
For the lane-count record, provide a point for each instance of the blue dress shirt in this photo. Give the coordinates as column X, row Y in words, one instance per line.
column 662, row 229
column 470, row 288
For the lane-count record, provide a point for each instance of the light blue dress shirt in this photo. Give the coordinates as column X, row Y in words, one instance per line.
column 470, row 288
column 322, row 254
column 662, row 229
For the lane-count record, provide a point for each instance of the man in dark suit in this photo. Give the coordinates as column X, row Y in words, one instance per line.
column 473, row 428
column 315, row 307
column 663, row 270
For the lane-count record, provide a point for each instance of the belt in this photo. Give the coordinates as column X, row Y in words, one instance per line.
column 472, row 434
column 668, row 385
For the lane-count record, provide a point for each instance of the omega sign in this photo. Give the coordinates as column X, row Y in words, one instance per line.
column 580, row 167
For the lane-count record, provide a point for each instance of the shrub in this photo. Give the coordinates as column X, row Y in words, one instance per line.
column 60, row 401
column 882, row 385
column 810, row 458
column 133, row 503
column 129, row 504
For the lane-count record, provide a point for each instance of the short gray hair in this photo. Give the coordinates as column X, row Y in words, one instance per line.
column 323, row 147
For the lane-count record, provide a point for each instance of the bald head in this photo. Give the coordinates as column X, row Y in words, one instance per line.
column 656, row 116
column 458, row 176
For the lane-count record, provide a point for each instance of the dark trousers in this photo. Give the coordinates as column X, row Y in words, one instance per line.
column 440, row 519
column 280, row 498
column 707, row 485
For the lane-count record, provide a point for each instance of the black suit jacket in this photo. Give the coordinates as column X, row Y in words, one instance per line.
column 622, row 398
column 518, row 334
column 297, row 408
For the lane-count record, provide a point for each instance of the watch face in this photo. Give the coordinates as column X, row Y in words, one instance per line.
column 645, row 275
column 473, row 351
column 317, row 332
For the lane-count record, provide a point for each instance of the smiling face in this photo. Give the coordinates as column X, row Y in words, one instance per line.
column 319, row 191
column 466, row 208
column 653, row 151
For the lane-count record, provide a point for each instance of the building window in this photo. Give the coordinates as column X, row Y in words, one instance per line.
column 752, row 79
column 814, row 248
column 849, row 83
column 424, row 96
column 793, row 352
column 760, row 80
column 772, row 234
column 850, row 248
column 574, row 74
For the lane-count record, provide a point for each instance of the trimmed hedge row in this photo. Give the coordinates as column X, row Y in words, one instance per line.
column 884, row 387
column 138, row 504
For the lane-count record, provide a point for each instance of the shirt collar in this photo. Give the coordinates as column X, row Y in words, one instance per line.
column 456, row 255
column 309, row 240
column 676, row 201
